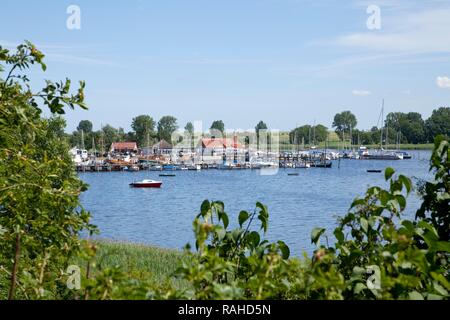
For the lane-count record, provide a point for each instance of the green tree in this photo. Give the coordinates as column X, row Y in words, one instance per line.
column 189, row 128
column 166, row 126
column 109, row 135
column 40, row 212
column 144, row 128
column 260, row 126
column 320, row 133
column 344, row 122
column 218, row 126
column 409, row 126
column 438, row 123
column 85, row 125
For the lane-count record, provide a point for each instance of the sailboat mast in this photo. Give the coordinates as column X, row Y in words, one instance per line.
column 381, row 129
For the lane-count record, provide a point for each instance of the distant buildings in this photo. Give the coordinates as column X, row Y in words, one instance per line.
column 124, row 147
column 217, row 146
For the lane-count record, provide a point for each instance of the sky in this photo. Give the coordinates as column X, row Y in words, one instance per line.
column 286, row 62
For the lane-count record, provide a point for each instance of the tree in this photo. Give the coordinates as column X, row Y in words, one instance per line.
column 85, row 125
column 166, row 126
column 260, row 126
column 344, row 122
column 217, row 126
column 308, row 134
column 40, row 211
column 438, row 123
column 408, row 125
column 189, row 128
column 109, row 135
column 144, row 128
column 300, row 135
column 320, row 133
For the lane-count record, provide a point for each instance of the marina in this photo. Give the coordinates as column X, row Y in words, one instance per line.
column 297, row 199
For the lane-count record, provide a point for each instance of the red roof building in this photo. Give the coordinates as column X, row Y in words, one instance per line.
column 123, row 147
column 220, row 143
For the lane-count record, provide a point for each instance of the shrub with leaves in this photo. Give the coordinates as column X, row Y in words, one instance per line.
column 40, row 214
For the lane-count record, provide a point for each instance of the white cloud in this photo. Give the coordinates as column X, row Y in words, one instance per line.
column 423, row 32
column 361, row 93
column 443, row 82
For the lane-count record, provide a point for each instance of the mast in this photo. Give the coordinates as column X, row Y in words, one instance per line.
column 381, row 129
column 82, row 139
column 314, row 132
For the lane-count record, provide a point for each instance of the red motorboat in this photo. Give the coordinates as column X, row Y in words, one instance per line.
column 146, row 184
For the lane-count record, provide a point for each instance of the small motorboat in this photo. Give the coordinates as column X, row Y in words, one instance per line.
column 146, row 184
column 167, row 175
column 374, row 171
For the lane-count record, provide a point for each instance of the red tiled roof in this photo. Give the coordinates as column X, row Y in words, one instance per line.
column 220, row 143
column 124, row 146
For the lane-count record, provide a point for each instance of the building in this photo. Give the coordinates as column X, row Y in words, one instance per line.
column 162, row 147
column 218, row 146
column 123, row 147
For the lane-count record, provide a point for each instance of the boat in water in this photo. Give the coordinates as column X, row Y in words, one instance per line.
column 383, row 155
column 405, row 154
column 146, row 184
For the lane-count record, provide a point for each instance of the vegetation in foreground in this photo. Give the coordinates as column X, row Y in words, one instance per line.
column 376, row 253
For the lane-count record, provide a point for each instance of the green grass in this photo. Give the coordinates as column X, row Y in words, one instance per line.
column 140, row 261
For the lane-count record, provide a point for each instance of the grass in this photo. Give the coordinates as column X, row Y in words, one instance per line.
column 140, row 261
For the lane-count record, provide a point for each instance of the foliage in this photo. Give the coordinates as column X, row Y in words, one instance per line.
column 166, row 126
column 308, row 134
column 438, row 123
column 344, row 122
column 410, row 126
column 85, row 126
column 144, row 128
column 189, row 128
column 435, row 208
column 217, row 128
column 40, row 214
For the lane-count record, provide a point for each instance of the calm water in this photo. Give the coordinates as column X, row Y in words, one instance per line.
column 297, row 204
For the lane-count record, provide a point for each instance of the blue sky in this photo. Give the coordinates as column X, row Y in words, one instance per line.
column 287, row 62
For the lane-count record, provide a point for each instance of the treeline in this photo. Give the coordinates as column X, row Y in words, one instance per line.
column 398, row 127
column 145, row 131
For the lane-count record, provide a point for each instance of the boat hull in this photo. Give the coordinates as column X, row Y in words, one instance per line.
column 146, row 184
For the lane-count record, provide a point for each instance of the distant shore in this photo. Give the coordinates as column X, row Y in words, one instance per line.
column 339, row 145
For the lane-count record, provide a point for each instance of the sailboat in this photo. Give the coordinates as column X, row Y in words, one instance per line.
column 383, row 154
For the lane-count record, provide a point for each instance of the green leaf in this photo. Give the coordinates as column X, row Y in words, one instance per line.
column 406, row 182
column 364, row 224
column 253, row 238
column 388, row 173
column 285, row 251
column 220, row 233
column 339, row 234
column 359, row 287
column 443, row 246
column 315, row 235
column 205, row 207
column 243, row 216
column 440, row 289
column 224, row 217
column 263, row 216
column 414, row 295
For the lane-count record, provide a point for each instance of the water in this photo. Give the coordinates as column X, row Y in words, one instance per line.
column 163, row 217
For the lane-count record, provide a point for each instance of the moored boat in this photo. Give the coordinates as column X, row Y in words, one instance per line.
column 146, row 184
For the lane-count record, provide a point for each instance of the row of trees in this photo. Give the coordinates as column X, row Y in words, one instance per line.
column 398, row 127
column 145, row 131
